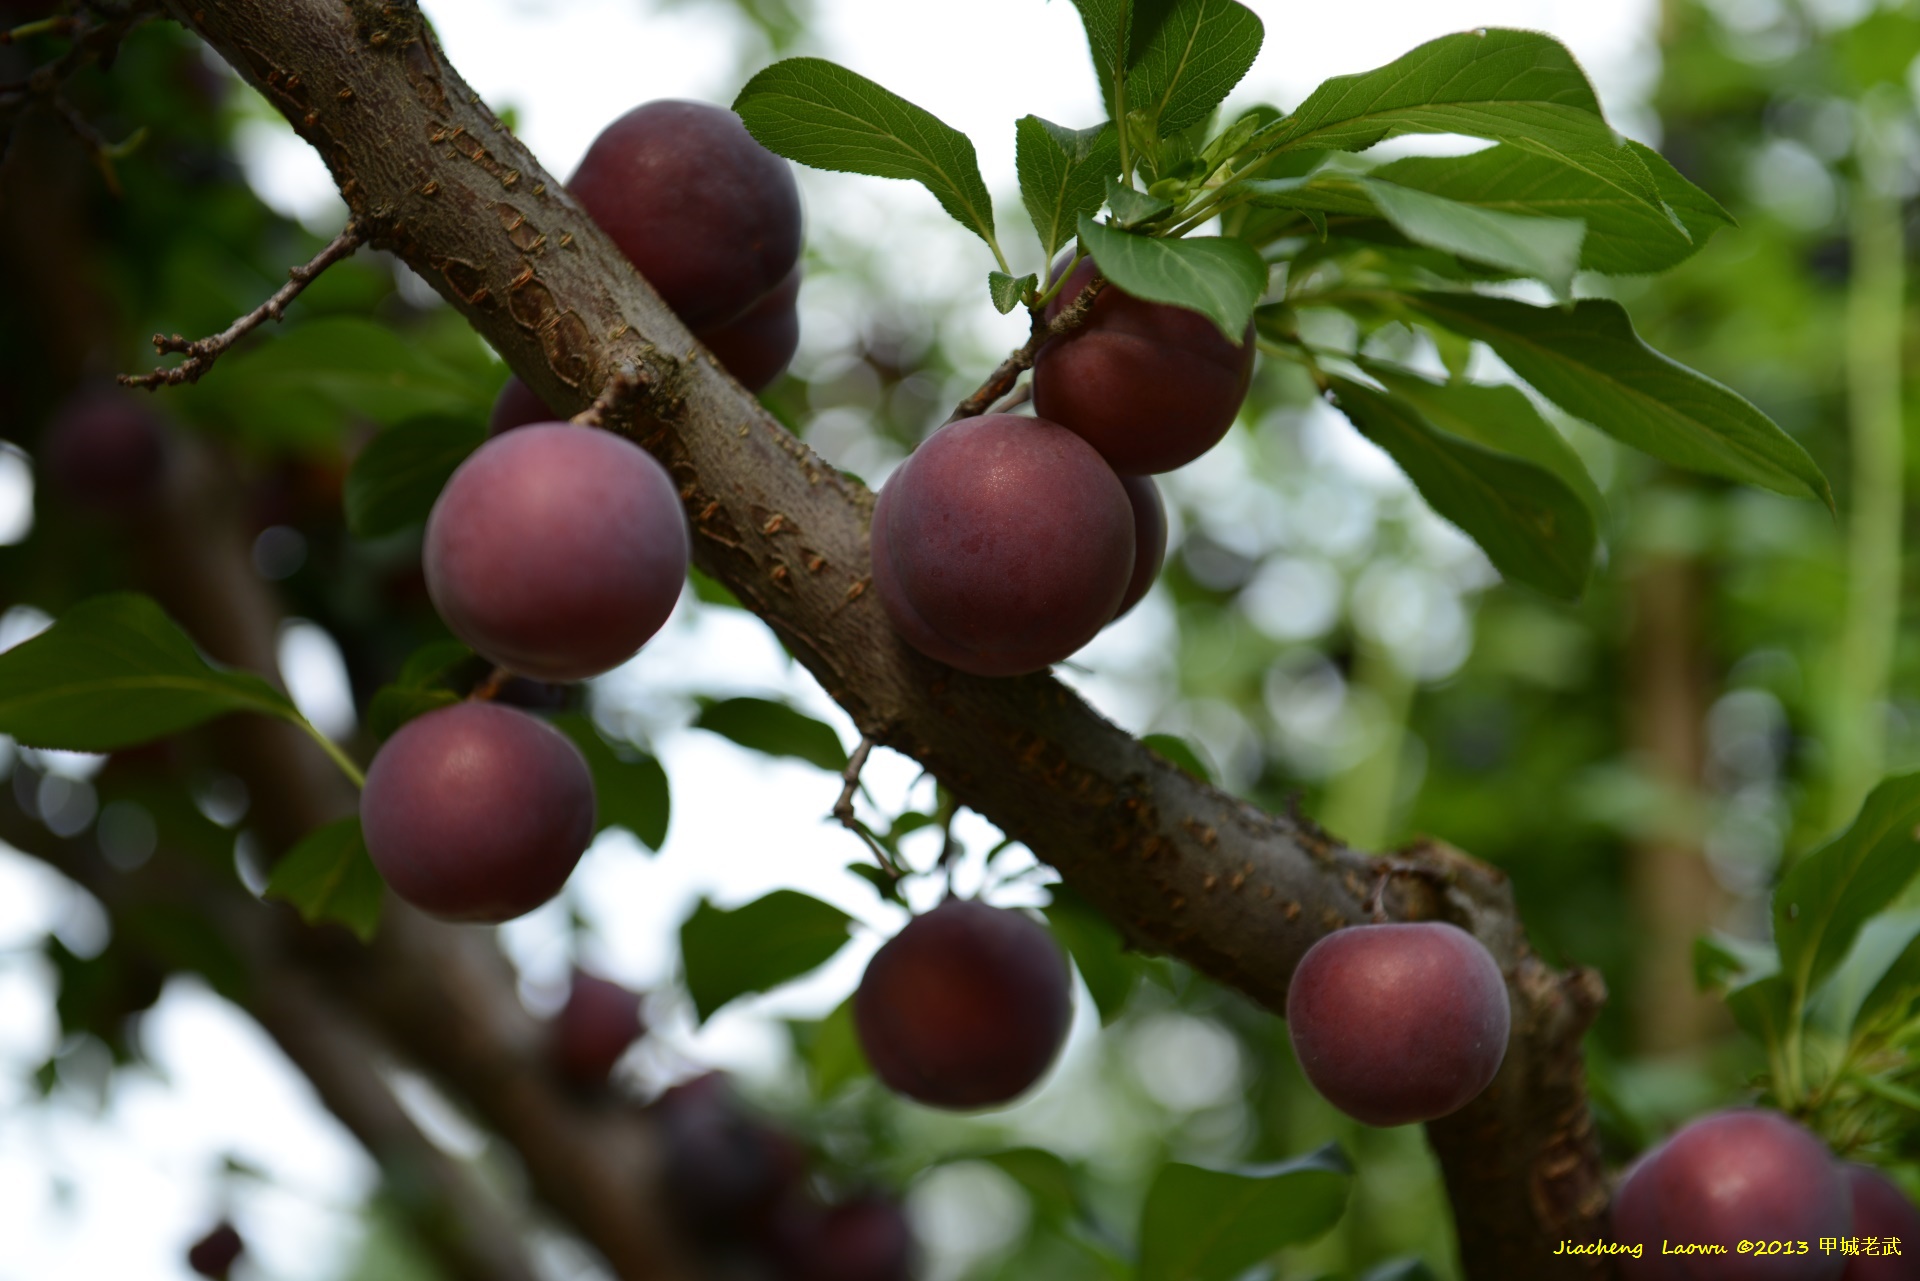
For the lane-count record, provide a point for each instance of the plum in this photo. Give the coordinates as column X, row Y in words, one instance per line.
column 756, row 348
column 1150, row 386
column 966, row 1007
column 1002, row 545
column 1400, row 1022
column 594, row 1028
column 476, row 812
column 709, row 216
column 865, row 1238
column 725, row 1170
column 557, row 551
column 1882, row 1210
column 106, row 450
column 1739, row 1175
column 516, row 406
column 1149, row 538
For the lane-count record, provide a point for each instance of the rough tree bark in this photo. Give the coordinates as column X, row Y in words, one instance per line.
column 432, row 175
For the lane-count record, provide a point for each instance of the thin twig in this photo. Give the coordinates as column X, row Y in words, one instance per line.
column 1012, row 400
column 202, row 352
column 843, row 808
column 1002, row 379
column 56, row 26
column 104, row 153
column 489, row 688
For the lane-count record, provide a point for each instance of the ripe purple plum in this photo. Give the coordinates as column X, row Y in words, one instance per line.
column 1151, row 386
column 106, row 450
column 756, row 348
column 1149, row 538
column 557, row 551
column 594, row 1028
column 214, row 1254
column 1400, row 1022
column 726, row 1170
column 1002, row 545
column 966, row 1007
column 866, row 1238
column 1881, row 1209
column 709, row 216
column 516, row 406
column 477, row 812
column 1740, row 1175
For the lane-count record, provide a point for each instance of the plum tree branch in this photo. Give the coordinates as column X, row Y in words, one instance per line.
column 202, row 352
column 1180, row 867
column 1000, row 382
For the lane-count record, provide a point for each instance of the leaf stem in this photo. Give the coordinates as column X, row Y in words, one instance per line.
column 334, row 752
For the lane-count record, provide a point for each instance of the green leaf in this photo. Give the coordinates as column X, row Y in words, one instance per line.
column 1109, row 25
column 1533, row 528
column 1044, row 1176
column 421, row 687
column 1219, row 278
column 1824, row 899
column 1192, row 60
column 819, row 113
column 1517, row 87
column 116, row 671
column 1546, row 248
column 1008, row 292
column 1625, row 234
column 729, row 953
column 831, row 1050
column 1063, row 175
column 1180, row 752
column 396, row 478
column 1212, row 1225
column 1131, row 207
column 1763, row 1009
column 1109, row 972
column 1893, row 993
column 1588, row 360
column 329, row 877
column 306, row 382
column 1499, row 417
column 629, row 786
column 762, row 725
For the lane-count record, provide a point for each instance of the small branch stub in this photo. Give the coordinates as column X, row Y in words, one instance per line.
column 202, row 352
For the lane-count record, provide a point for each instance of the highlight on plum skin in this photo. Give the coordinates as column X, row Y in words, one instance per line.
column 557, row 551
column 967, row 1007
column 1398, row 1023
column 1002, row 545
column 477, row 812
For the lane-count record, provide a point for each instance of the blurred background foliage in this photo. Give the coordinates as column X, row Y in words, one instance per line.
column 1642, row 763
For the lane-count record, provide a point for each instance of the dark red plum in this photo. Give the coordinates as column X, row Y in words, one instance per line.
column 966, row 1007
column 476, row 812
column 756, row 348
column 214, row 1254
column 1741, row 1175
column 1398, row 1023
column 516, row 406
column 1149, row 538
column 1002, row 545
column 863, row 1239
column 725, row 1170
column 1882, row 1210
column 709, row 216
column 557, row 551
column 106, row 450
column 594, row 1028
column 1151, row 386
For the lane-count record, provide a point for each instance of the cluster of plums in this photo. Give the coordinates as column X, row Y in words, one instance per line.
column 1750, row 1176
column 739, row 1185
column 556, row 551
column 1005, row 542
